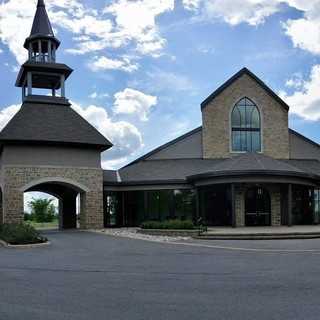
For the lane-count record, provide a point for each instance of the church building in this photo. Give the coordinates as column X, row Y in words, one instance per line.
column 243, row 167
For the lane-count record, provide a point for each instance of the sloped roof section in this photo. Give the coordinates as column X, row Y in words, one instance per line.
column 237, row 76
column 165, row 171
column 41, row 23
column 254, row 163
column 41, row 26
column 169, row 144
column 51, row 123
column 188, row 170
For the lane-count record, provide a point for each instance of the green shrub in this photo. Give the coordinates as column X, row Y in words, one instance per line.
column 42, row 210
column 169, row 225
column 17, row 234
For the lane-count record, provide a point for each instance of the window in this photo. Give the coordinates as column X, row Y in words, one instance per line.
column 184, row 204
column 246, row 127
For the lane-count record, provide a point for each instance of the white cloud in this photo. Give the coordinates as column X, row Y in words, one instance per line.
column 120, row 24
column 305, row 102
column 7, row 113
column 296, row 81
column 234, row 12
column 130, row 101
column 305, row 33
column 96, row 95
column 191, row 4
column 103, row 63
column 137, row 20
column 126, row 138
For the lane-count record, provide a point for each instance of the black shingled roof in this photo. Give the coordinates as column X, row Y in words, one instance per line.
column 49, row 123
column 182, row 170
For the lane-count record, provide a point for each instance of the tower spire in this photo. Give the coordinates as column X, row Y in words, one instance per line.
column 41, row 3
column 41, row 26
column 41, row 70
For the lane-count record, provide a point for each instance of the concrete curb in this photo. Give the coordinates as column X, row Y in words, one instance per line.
column 24, row 246
column 168, row 233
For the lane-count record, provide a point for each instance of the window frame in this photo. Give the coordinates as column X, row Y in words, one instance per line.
column 231, row 128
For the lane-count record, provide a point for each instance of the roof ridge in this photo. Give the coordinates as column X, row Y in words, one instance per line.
column 234, row 78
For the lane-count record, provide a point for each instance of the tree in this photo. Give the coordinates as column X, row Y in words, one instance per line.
column 42, row 210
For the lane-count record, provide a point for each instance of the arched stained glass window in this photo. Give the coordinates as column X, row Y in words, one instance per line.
column 246, row 127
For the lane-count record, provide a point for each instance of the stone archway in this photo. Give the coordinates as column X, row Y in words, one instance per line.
column 67, row 195
column 66, row 183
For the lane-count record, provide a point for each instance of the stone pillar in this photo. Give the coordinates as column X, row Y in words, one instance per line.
column 289, row 205
column 91, row 210
column 69, row 211
column 233, row 206
column 275, row 205
column 240, row 206
column 13, row 206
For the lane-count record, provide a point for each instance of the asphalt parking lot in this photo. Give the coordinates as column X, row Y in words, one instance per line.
column 84, row 275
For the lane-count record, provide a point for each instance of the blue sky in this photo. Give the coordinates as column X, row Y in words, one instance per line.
column 143, row 67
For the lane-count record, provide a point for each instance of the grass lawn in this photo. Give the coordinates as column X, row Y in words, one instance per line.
column 48, row 225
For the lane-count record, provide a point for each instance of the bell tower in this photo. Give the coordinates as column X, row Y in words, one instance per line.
column 47, row 146
column 41, row 77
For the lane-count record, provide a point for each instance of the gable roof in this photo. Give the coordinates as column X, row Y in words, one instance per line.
column 52, row 123
column 237, row 76
column 304, row 138
column 166, row 145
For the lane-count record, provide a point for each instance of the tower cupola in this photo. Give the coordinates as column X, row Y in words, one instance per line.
column 41, row 77
column 41, row 44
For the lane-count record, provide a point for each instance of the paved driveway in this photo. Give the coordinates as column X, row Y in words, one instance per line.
column 92, row 276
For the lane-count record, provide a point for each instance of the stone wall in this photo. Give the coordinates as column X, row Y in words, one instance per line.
column 89, row 182
column 216, row 120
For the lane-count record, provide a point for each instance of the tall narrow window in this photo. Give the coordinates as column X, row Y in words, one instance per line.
column 246, row 127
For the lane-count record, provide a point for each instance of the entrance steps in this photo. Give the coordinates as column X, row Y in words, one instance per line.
column 261, row 233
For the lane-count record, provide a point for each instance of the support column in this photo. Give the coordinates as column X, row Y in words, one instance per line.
column 29, row 80
column 69, row 211
column 63, row 89
column 314, row 213
column 53, row 52
column 289, row 204
column 49, row 51
column 198, row 211
column 40, row 51
column 30, row 51
column 233, row 206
